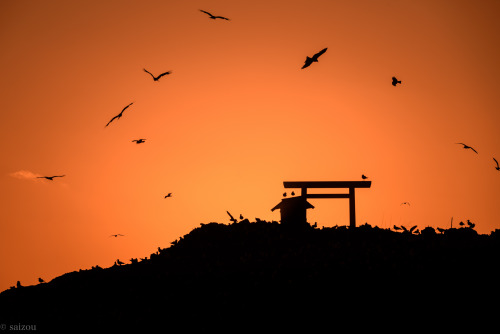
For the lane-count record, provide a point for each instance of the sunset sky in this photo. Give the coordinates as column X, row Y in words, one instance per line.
column 236, row 117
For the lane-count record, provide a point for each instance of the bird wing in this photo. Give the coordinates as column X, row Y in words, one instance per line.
column 307, row 62
column 113, row 119
column 473, row 150
column 149, row 73
column 232, row 218
column 126, row 107
column 319, row 53
column 496, row 162
column 58, row 175
column 168, row 72
column 206, row 12
column 221, row 17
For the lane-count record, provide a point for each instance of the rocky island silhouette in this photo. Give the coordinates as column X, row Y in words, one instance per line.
column 266, row 275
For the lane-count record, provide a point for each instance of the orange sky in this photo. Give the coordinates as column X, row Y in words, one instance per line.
column 236, row 118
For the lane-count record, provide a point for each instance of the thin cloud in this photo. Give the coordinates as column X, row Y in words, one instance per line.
column 25, row 175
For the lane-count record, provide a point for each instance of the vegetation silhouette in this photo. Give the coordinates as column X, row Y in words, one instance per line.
column 251, row 275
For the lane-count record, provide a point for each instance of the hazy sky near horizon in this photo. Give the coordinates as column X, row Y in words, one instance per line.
column 236, row 117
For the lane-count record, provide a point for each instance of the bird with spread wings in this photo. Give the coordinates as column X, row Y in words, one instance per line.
column 51, row 178
column 313, row 59
column 159, row 76
column 213, row 17
column 139, row 141
column 497, row 167
column 120, row 114
column 467, row 147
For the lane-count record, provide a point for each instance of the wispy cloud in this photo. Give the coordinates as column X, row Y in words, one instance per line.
column 25, row 175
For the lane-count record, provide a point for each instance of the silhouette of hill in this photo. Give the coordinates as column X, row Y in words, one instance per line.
column 263, row 276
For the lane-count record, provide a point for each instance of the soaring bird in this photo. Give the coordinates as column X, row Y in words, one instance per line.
column 313, row 59
column 139, row 141
column 466, row 147
column 120, row 114
column 213, row 17
column 168, row 195
column 395, row 81
column 364, row 177
column 497, row 167
column 41, row 280
column 117, row 235
column 51, row 178
column 158, row 77
column 406, row 203
column 231, row 217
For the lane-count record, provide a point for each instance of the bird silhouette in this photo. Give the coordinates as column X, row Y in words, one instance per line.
column 118, row 262
column 284, row 194
column 213, row 17
column 364, row 177
column 461, row 224
column 241, row 216
column 18, row 284
column 159, row 76
column 293, row 193
column 313, row 59
column 441, row 230
column 117, row 235
column 467, row 147
column 405, row 203
column 139, row 141
column 497, row 167
column 231, row 217
column 41, row 280
column 471, row 224
column 397, row 228
column 168, row 195
column 51, row 178
column 395, row 81
column 120, row 114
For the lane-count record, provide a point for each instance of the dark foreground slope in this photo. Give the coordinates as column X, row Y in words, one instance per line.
column 263, row 276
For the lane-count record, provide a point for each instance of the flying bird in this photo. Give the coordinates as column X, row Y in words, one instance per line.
column 139, row 141
column 168, row 195
column 466, row 147
column 120, row 114
column 51, row 178
column 406, row 203
column 158, row 77
column 117, row 235
column 213, row 17
column 497, row 167
column 313, row 59
column 395, row 81
column 231, row 217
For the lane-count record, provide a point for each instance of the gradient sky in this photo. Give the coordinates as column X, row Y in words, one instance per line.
column 236, row 118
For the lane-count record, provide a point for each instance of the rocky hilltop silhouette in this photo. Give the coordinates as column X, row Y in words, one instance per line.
column 263, row 275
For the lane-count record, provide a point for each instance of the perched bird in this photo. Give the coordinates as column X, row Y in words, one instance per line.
column 139, row 141
column 364, row 177
column 441, row 230
column 406, row 203
column 41, row 280
column 231, row 217
column 213, row 17
column 293, row 193
column 497, row 167
column 461, row 224
column 120, row 114
column 168, row 195
column 466, row 147
column 159, row 76
column 118, row 262
column 471, row 224
column 395, row 81
column 51, row 178
column 241, row 216
column 284, row 194
column 117, row 235
column 18, row 284
column 313, row 59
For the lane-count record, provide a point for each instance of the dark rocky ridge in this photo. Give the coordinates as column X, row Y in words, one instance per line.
column 261, row 274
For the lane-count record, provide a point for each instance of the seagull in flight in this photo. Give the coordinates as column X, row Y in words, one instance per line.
column 466, row 147
column 395, row 81
column 406, row 203
column 497, row 167
column 168, row 195
column 159, row 76
column 213, row 17
column 313, row 59
column 117, row 235
column 120, row 114
column 51, row 178
column 139, row 141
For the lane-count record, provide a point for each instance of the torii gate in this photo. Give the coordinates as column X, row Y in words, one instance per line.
column 351, row 185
